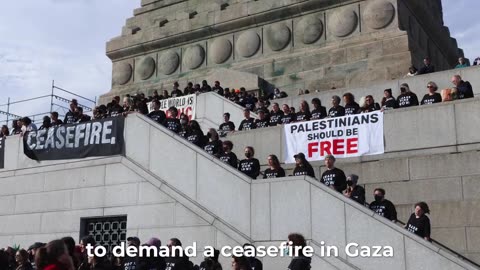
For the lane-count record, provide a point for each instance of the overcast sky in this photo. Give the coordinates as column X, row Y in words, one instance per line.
column 64, row 40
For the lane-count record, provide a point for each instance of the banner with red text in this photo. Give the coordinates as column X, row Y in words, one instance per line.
column 184, row 104
column 348, row 136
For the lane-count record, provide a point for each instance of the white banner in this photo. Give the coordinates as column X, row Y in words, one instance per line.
column 184, row 104
column 348, row 136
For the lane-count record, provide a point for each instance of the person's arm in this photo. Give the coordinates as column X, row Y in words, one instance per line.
column 241, row 125
column 423, row 100
column 281, row 172
column 361, row 196
column 256, row 171
column 393, row 211
column 265, row 174
column 341, row 181
column 415, row 100
column 427, row 229
column 234, row 161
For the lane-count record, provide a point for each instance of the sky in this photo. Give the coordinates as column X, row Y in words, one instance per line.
column 64, row 40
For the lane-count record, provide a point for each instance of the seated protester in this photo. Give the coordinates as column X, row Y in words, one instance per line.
column 406, row 97
column 211, row 263
column 217, row 88
column 82, row 118
column 262, row 121
column 172, row 123
column 353, row 191
column 176, row 261
column 370, row 105
column 300, row 262
column 287, row 117
column 304, row 113
column 319, row 112
column 462, row 63
column 336, row 110
column 127, row 104
column 249, row 102
column 261, row 105
column 197, row 89
column 27, row 125
column 333, row 177
column 302, row 166
column 184, row 120
column 116, row 109
column 412, row 72
column 249, row 166
column 274, row 170
column 176, row 92
column 189, row 89
column 351, row 107
column 432, row 96
column 233, row 96
column 4, row 132
column 155, row 96
column 427, row 68
column 227, row 155
column 70, row 116
column 226, row 93
column 205, row 87
column 419, row 223
column 195, row 134
column 17, row 129
column 382, row 206
column 46, row 124
column 227, row 125
column 388, row 101
column 214, row 145
column 464, row 89
column 157, row 115
column 248, row 123
column 275, row 115
column 165, row 95
column 253, row 263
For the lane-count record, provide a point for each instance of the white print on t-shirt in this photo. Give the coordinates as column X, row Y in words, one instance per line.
column 379, row 210
column 329, row 179
column 412, row 228
column 246, row 166
column 404, row 101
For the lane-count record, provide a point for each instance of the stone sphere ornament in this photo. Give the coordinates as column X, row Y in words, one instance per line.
column 168, row 62
column 278, row 36
column 378, row 14
column 194, row 57
column 248, row 43
column 311, row 29
column 343, row 22
column 146, row 68
column 220, row 50
column 122, row 73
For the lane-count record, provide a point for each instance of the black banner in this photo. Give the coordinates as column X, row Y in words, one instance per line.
column 2, row 152
column 96, row 138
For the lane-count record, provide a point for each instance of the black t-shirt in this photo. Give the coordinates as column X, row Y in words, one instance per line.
column 250, row 167
column 303, row 170
column 407, row 99
column 334, row 177
column 255, row 264
column 287, row 118
column 262, row 123
column 227, row 127
column 70, row 118
column 385, row 209
column 336, row 112
column 84, row 118
column 465, row 90
column 173, row 124
column 196, row 137
column 176, row 93
column 130, row 263
column 275, row 118
column 247, row 124
column 158, row 116
column 390, row 103
column 183, row 132
column 419, row 226
column 213, row 147
column 269, row 173
column 300, row 263
column 177, row 263
column 372, row 107
column 431, row 99
column 351, row 109
column 210, row 265
column 116, row 110
column 303, row 116
column 358, row 195
column 319, row 113
column 230, row 158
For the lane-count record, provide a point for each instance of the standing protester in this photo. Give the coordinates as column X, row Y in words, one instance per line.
column 176, row 92
column 275, row 115
column 4, row 132
column 21, row 259
column 153, row 262
column 250, row 165
column 354, row 191
column 189, row 90
column 262, row 121
column 117, row 110
column 248, row 123
column 217, row 88
column 195, row 134
column 70, row 244
column 157, row 115
column 183, row 126
column 176, row 261
column 336, row 110
column 32, row 251
column 287, row 117
column 274, row 170
column 205, row 87
column 53, row 256
column 302, row 166
column 319, row 112
column 464, row 88
column 211, row 263
column 333, row 177
column 132, row 262
column 406, row 97
column 382, row 206
column 84, row 242
column 419, row 223
column 427, row 68
column 81, row 118
column 300, row 262
column 214, row 144
column 227, row 155
column 351, row 107
column 16, row 128
column 370, row 105
column 70, row 117
column 172, row 123
column 254, row 263
column 388, row 101
column 432, row 96
column 304, row 112
column 54, row 119
column 227, row 125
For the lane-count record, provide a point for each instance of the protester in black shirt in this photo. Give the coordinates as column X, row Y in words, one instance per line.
column 176, row 92
column 275, row 115
column 155, row 96
column 432, row 96
column 4, row 132
column 382, row 206
column 165, row 95
column 84, row 242
column 406, row 97
column 351, row 107
column 172, row 123
column 240, row 263
column 227, row 125
column 300, row 262
column 184, row 120
column 336, row 110
column 157, row 115
column 176, row 261
column 388, row 101
column 304, row 113
column 46, row 124
column 217, row 88
column 319, row 112
column 262, row 121
column 261, row 105
column 427, row 68
column 249, row 102
column 81, row 118
column 116, row 109
column 189, row 89
column 464, row 89
column 205, row 87
column 333, row 177
column 248, row 123
column 287, row 117
column 211, row 263
column 274, row 170
column 16, row 129
column 227, row 155
column 370, row 105
column 70, row 117
column 214, row 145
column 302, row 166
column 253, row 263
column 354, row 191
column 195, row 134
column 249, row 166
column 419, row 223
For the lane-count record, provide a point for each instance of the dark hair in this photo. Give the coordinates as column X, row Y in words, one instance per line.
column 49, row 254
column 349, row 96
column 7, row 131
column 297, row 240
column 176, row 242
column 242, row 262
column 88, row 240
column 55, row 114
column 307, row 108
column 70, row 243
column 229, row 144
column 227, row 115
column 194, row 125
column 275, row 161
column 173, row 109
column 381, row 190
column 423, row 206
column 27, row 121
column 156, row 102
column 4, row 261
column 75, row 102
column 337, row 98
column 23, row 255
column 251, row 149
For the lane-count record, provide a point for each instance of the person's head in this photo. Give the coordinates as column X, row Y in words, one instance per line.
column 316, row 103
column 387, row 93
column 70, row 244
column 33, row 249
column 427, row 61
column 197, row 87
column 54, row 116
column 15, row 124
column 5, row 131
column 304, row 106
column 461, row 60
column 285, row 109
column 79, row 111
column 85, row 241
column 174, row 242
column 156, row 105
column 379, row 194
column 249, row 152
column 227, row 146
column 165, row 94
column 194, row 125
column 276, row 91
column 352, row 180
column 330, row 161
column 335, row 101
column 175, row 85
column 300, row 160
column 184, row 119
column 273, row 161
column 226, row 90
column 173, row 112
column 212, row 134
column 26, row 121
column 117, row 98
column 204, row 83
column 240, row 263
column 348, row 98
column 127, row 102
column 275, row 107
column 133, row 241
column 155, row 93
column 297, row 240
column 412, row 70
column 55, row 252
column 226, row 117
column 246, row 113
column 73, row 104
column 456, row 80
column 190, row 85
column 369, row 100
column 217, row 83
column 21, row 257
column 421, row 208
column 261, row 114
column 432, row 87
column 404, row 88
